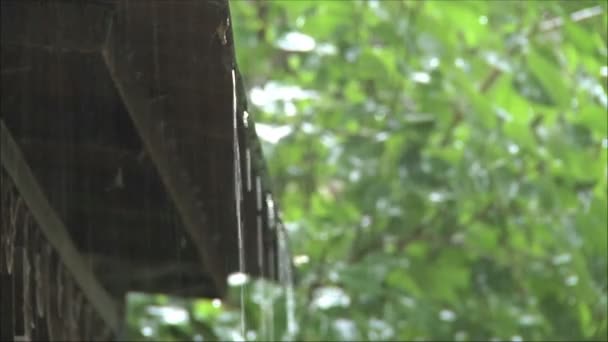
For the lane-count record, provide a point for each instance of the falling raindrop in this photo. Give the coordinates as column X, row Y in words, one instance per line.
column 460, row 336
column 329, row 297
column 527, row 320
column 513, row 148
column 421, row 77
column 270, row 211
column 259, row 232
column 286, row 278
column 299, row 260
column 571, row 280
column 237, row 279
column 238, row 195
column 147, row 330
column 447, row 315
column 258, row 193
column 248, row 167
column 245, row 119
column 345, row 328
column 561, row 259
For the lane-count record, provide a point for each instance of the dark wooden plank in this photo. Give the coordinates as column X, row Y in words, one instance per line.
column 20, row 331
column 53, row 228
column 170, row 277
column 169, row 116
column 6, row 307
column 27, row 23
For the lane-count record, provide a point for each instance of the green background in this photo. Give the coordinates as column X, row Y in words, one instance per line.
column 442, row 171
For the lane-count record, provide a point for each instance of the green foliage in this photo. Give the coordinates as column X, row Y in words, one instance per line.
column 446, row 172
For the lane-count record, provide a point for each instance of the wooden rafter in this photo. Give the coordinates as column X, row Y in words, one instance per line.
column 142, row 112
column 53, row 228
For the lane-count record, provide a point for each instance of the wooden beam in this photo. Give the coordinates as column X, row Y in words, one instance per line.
column 54, row 230
column 169, row 276
column 142, row 111
column 146, row 111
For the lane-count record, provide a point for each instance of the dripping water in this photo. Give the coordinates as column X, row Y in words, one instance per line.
column 248, row 167
column 286, row 279
column 258, row 193
column 267, row 305
column 284, row 268
column 238, row 195
column 264, row 301
column 260, row 242
column 270, row 211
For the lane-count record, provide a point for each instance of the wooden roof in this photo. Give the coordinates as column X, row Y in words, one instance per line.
column 123, row 110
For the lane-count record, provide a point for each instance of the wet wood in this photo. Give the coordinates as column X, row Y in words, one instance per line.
column 53, row 229
column 174, row 106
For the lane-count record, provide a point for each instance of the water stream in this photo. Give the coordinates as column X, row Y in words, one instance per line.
column 264, row 200
column 238, row 188
column 287, row 281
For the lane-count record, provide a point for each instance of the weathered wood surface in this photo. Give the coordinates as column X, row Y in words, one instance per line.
column 123, row 111
column 53, row 229
column 44, row 297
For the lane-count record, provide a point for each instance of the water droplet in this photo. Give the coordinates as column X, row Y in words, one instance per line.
column 421, row 77
column 483, row 20
column 382, row 136
column 245, row 119
column 436, row 197
column 433, row 63
column 561, row 259
column 461, row 63
column 366, row 221
column 447, row 315
column 408, row 302
column 290, row 108
column 238, row 279
column 169, row 314
column 272, row 133
column 296, row 41
column 346, row 329
column 329, row 297
column 248, row 168
column 299, row 260
column 286, row 279
column 354, row 175
column 147, row 330
column 571, row 280
column 513, row 148
column 270, row 211
column 458, row 238
column 527, row 320
column 326, row 49
column 258, row 192
column 237, row 337
column 380, row 330
column 460, row 336
column 216, row 303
